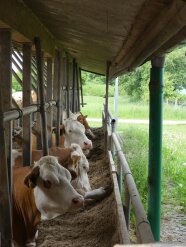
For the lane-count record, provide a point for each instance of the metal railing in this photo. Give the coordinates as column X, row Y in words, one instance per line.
column 130, row 193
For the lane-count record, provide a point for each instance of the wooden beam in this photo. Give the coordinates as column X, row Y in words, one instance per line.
column 77, row 89
column 55, row 87
column 73, row 84
column 6, row 86
column 67, row 86
column 49, row 97
column 81, row 86
column 5, row 148
column 106, row 107
column 26, row 102
column 59, row 99
column 19, row 17
column 158, row 32
column 39, row 62
column 5, row 205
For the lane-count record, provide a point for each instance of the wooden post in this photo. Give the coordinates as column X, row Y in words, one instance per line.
column 55, row 87
column 5, row 148
column 41, row 94
column 81, row 87
column 63, row 98
column 49, row 97
column 77, row 90
column 73, row 84
column 26, row 102
column 67, row 86
column 59, row 99
column 106, row 106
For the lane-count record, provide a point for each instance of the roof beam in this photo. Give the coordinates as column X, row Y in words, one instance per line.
column 16, row 15
column 160, row 31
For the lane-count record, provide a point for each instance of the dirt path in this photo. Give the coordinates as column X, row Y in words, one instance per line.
column 173, row 225
column 92, row 226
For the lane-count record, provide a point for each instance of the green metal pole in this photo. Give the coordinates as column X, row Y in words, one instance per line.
column 155, row 145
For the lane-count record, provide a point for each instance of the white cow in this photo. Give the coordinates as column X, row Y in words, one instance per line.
column 81, row 183
column 40, row 193
column 74, row 132
column 82, row 119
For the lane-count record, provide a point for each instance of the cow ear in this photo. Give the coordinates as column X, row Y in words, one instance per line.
column 62, row 129
column 75, row 158
column 73, row 174
column 53, row 130
column 31, row 179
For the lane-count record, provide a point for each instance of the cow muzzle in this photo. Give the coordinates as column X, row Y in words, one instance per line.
column 87, row 145
column 78, row 202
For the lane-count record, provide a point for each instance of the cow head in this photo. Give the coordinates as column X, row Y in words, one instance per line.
column 81, row 168
column 75, row 133
column 83, row 120
column 53, row 191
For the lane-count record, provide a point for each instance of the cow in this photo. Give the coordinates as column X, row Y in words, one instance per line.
column 74, row 132
column 67, row 157
column 71, row 131
column 82, row 119
column 81, row 183
column 41, row 192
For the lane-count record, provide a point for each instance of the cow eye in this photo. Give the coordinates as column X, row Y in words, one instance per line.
column 70, row 130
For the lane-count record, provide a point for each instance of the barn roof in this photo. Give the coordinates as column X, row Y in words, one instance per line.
column 126, row 33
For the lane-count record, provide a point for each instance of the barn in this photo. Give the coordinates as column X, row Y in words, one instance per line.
column 45, row 45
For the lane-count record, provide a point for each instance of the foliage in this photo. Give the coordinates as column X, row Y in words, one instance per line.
column 88, row 77
column 175, row 68
column 136, row 83
column 15, row 84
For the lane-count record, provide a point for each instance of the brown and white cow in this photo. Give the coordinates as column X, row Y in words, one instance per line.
column 41, row 192
column 74, row 132
column 81, row 182
column 67, row 157
column 82, row 119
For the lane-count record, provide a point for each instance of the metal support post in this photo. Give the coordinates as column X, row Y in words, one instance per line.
column 155, row 144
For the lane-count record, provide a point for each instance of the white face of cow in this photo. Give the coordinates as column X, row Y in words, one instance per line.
column 54, row 193
column 82, row 180
column 75, row 133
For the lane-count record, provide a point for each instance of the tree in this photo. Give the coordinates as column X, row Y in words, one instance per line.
column 175, row 68
column 136, row 83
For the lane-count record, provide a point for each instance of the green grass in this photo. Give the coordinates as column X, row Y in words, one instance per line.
column 130, row 110
column 173, row 161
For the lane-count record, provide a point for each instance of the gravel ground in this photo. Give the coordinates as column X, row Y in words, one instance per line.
column 173, row 225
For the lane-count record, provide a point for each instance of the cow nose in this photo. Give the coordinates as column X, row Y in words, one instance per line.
column 78, row 201
column 88, row 144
